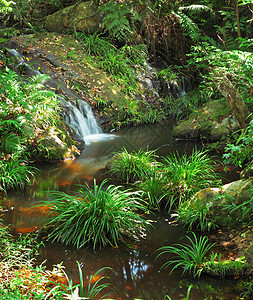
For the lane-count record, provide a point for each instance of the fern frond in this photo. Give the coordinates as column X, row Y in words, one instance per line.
column 188, row 25
column 196, row 8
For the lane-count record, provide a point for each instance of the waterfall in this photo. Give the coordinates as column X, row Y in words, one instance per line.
column 81, row 119
column 78, row 114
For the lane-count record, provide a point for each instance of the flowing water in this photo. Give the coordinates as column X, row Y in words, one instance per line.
column 136, row 273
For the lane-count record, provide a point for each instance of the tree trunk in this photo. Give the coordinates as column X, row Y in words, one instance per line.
column 237, row 19
column 232, row 96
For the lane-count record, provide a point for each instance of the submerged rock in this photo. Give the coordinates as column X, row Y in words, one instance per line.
column 81, row 17
column 212, row 122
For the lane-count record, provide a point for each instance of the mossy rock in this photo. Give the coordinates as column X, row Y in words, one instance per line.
column 225, row 268
column 82, row 17
column 52, row 148
column 216, row 199
column 211, row 122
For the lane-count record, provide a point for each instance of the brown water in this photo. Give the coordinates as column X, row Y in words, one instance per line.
column 136, row 274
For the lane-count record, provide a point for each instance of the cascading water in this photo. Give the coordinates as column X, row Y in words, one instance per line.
column 82, row 120
column 78, row 114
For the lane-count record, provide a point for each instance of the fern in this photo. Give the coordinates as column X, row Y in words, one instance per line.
column 188, row 25
column 196, row 8
column 115, row 21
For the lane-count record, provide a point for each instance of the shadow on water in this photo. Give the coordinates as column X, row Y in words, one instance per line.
column 136, row 273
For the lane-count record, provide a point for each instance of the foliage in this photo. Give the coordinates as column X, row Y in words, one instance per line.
column 248, row 290
column 238, row 214
column 196, row 215
column 6, row 6
column 29, row 116
column 218, row 267
column 122, row 63
column 133, row 166
column 105, row 215
column 186, row 104
column 89, row 291
column 22, row 279
column 15, row 173
column 190, row 257
column 187, row 175
column 241, row 151
column 154, row 187
column 237, row 65
column 116, row 21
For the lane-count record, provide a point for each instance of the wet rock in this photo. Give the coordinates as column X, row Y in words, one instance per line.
column 82, row 17
column 211, row 123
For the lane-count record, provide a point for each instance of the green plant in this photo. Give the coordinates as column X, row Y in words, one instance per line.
column 15, row 173
column 187, row 175
column 154, row 188
column 196, row 215
column 238, row 214
column 241, row 151
column 105, row 215
column 248, row 290
column 219, row 267
column 190, row 257
column 187, row 295
column 115, row 20
column 132, row 166
column 91, row 290
column 29, row 115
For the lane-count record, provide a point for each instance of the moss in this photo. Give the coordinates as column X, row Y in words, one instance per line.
column 223, row 268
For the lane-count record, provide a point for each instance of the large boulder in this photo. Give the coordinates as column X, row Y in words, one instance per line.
column 217, row 201
column 82, row 17
column 212, row 122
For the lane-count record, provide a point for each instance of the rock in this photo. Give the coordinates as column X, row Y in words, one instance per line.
column 52, row 148
column 239, row 190
column 215, row 199
column 248, row 171
column 84, row 16
column 210, row 123
column 249, row 256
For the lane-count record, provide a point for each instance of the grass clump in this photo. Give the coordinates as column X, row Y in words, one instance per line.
column 189, row 256
column 167, row 184
column 15, row 173
column 100, row 216
column 134, row 166
column 154, row 188
column 188, row 175
column 221, row 268
column 197, row 215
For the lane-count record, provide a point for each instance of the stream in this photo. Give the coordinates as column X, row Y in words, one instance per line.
column 136, row 273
